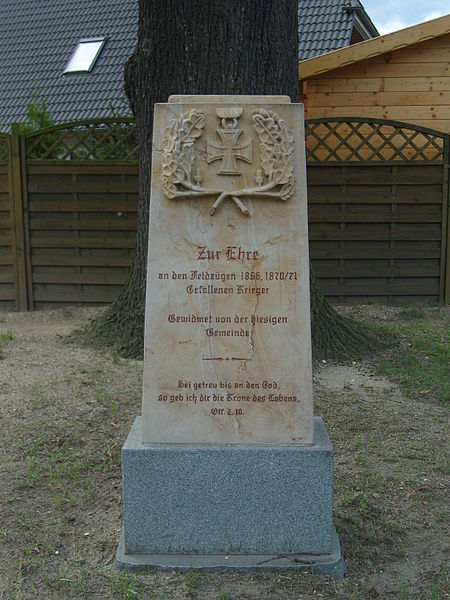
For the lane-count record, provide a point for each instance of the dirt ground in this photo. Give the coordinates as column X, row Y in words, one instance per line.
column 65, row 411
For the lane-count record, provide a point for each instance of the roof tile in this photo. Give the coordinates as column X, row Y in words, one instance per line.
column 37, row 39
column 326, row 25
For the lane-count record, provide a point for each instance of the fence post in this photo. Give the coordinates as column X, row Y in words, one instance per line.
column 17, row 220
column 446, row 222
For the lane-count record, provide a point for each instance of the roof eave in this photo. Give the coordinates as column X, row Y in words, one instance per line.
column 365, row 26
column 362, row 19
column 374, row 47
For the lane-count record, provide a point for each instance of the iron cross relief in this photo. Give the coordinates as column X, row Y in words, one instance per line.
column 230, row 150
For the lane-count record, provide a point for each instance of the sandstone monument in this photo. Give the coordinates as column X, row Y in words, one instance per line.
column 227, row 467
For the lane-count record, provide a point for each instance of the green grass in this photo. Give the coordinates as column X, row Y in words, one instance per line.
column 439, row 586
column 192, row 579
column 4, row 339
column 120, row 585
column 223, row 594
column 62, row 467
column 127, row 586
column 420, row 362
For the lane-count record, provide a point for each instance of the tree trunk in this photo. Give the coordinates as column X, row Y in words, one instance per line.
column 200, row 47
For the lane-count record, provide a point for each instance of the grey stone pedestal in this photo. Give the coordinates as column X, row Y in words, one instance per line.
column 229, row 506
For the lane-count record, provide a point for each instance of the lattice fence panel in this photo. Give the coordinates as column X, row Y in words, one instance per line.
column 94, row 140
column 357, row 140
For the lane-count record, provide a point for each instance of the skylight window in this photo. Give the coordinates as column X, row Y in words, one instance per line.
column 85, row 55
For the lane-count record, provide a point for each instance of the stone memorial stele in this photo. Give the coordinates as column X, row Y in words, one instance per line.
column 227, row 467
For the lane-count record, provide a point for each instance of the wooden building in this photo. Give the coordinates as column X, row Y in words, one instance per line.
column 403, row 76
column 378, row 147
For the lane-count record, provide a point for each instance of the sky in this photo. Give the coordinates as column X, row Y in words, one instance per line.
column 392, row 15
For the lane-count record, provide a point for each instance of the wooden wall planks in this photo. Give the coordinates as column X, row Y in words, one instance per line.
column 83, row 224
column 372, row 241
column 411, row 85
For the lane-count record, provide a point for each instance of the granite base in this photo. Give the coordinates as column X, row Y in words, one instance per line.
column 255, row 505
column 331, row 564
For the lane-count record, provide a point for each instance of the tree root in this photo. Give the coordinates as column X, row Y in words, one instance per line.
column 336, row 336
column 121, row 326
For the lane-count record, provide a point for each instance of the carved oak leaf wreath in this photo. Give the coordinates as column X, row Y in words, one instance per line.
column 181, row 178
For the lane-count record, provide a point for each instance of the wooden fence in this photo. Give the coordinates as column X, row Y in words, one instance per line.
column 8, row 277
column 72, row 205
column 378, row 212
column 378, row 195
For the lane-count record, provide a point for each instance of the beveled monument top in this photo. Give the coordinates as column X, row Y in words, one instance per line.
column 229, row 99
column 227, row 336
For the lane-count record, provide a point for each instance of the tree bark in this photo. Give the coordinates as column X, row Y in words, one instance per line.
column 200, row 47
